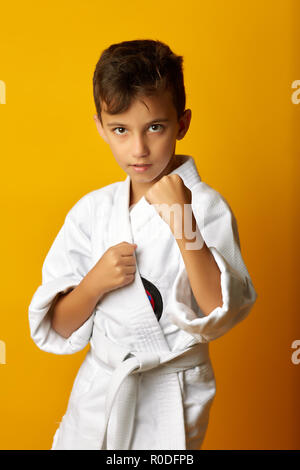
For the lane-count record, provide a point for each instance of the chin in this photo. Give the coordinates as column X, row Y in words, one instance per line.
column 142, row 178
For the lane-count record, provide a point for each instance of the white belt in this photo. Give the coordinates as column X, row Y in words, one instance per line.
column 126, row 364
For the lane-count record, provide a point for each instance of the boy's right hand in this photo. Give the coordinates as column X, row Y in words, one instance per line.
column 116, row 267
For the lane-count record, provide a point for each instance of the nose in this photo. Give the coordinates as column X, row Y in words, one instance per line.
column 139, row 147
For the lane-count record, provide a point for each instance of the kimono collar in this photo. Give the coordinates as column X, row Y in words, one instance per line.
column 187, row 171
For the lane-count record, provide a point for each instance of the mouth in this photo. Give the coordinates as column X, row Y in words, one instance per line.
column 141, row 164
column 141, row 167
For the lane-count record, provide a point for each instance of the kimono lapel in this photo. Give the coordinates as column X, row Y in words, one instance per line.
column 131, row 300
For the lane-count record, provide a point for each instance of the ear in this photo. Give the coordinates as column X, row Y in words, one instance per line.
column 100, row 127
column 184, row 123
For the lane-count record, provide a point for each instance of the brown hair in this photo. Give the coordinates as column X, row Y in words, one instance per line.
column 135, row 68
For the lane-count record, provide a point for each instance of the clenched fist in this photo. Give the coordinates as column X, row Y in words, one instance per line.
column 116, row 268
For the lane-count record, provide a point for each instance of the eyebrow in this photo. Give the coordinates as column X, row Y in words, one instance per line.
column 110, row 124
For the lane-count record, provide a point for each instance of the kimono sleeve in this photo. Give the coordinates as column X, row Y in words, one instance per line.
column 65, row 265
column 218, row 228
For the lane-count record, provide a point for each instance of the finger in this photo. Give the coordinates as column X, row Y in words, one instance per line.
column 126, row 244
column 128, row 261
column 130, row 270
column 128, row 250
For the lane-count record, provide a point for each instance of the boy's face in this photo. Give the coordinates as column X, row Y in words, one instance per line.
column 144, row 134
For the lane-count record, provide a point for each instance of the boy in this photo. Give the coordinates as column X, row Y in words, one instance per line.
column 147, row 290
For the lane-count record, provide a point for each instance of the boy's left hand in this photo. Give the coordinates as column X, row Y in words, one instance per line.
column 169, row 190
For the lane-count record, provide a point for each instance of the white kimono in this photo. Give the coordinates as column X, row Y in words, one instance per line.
column 147, row 381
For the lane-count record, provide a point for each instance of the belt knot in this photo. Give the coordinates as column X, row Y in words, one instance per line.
column 147, row 360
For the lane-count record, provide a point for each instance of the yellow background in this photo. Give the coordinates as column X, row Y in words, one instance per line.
column 240, row 60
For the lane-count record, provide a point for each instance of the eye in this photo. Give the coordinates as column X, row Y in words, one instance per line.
column 157, row 125
column 118, row 128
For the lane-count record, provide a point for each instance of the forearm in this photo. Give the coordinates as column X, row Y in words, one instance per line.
column 203, row 272
column 72, row 309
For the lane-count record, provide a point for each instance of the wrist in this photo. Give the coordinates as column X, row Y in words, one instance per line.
column 186, row 231
column 93, row 287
